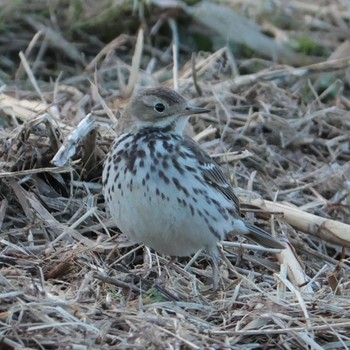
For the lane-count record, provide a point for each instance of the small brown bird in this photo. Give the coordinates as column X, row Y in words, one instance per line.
column 162, row 189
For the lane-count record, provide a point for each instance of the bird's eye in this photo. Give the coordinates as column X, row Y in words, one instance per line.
column 159, row 107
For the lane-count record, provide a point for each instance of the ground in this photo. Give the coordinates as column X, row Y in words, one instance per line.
column 276, row 79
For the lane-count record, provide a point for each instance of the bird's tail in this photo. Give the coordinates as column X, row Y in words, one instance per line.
column 261, row 237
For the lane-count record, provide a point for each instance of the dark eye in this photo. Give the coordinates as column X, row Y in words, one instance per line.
column 159, row 107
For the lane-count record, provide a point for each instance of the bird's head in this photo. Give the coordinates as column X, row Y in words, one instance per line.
column 161, row 108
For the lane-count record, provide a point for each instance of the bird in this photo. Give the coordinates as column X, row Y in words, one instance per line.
column 163, row 189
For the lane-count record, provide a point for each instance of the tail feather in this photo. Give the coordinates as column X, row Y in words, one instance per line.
column 263, row 238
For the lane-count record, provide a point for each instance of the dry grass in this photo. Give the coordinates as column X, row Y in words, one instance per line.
column 69, row 279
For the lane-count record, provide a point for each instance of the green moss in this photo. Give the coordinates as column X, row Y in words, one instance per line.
column 192, row 2
column 309, row 46
column 203, row 42
column 154, row 296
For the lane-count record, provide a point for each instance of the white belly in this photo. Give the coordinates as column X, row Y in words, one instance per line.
column 153, row 211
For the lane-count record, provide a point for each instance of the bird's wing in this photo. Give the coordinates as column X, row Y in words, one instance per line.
column 260, row 236
column 212, row 172
column 215, row 178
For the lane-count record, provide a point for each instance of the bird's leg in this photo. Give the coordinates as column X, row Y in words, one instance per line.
column 215, row 260
column 170, row 263
column 216, row 275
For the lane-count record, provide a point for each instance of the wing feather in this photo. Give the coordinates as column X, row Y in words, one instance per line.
column 216, row 178
column 212, row 172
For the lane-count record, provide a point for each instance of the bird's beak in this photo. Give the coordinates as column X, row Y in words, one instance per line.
column 195, row 110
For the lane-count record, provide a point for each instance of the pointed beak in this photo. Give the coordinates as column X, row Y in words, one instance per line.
column 189, row 110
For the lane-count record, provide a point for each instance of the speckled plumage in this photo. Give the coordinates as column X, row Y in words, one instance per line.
column 162, row 189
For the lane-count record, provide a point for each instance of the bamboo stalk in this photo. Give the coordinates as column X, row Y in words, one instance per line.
column 329, row 230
